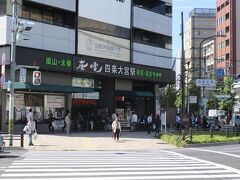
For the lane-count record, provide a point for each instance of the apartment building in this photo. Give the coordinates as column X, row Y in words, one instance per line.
column 227, row 24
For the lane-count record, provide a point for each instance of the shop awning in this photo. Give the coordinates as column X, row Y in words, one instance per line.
column 51, row 88
column 135, row 93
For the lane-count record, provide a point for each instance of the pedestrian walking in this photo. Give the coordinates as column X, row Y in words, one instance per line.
column 134, row 121
column 157, row 124
column 30, row 127
column 68, row 121
column 149, row 123
column 116, row 127
column 178, row 122
column 50, row 123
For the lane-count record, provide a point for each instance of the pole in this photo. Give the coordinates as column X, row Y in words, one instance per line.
column 204, row 88
column 183, row 66
column 12, row 72
column 188, row 104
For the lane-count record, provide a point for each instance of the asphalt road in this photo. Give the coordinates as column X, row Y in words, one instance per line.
column 228, row 155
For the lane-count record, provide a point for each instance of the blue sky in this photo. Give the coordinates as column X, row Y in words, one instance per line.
column 186, row 6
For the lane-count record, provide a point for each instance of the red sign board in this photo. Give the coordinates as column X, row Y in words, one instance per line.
column 78, row 102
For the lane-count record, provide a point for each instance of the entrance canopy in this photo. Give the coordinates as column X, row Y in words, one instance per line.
column 135, row 93
column 51, row 88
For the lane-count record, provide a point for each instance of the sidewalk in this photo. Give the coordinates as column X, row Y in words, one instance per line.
column 96, row 141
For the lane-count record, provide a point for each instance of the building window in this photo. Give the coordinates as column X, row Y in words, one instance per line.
column 43, row 13
column 157, row 6
column 222, row 6
column 48, row 16
column 227, row 42
column 227, row 3
column 3, row 7
column 26, row 12
column 58, row 18
column 227, row 29
column 153, row 39
column 227, row 16
column 35, row 14
column 227, row 56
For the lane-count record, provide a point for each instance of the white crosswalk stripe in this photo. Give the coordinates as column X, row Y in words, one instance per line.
column 110, row 165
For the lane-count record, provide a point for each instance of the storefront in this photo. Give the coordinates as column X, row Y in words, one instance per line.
column 124, row 88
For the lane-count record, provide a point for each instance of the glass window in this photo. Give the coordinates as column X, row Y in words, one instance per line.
column 157, row 6
column 47, row 16
column 3, row 7
column 86, row 83
column 55, row 106
column 35, row 14
column 58, row 18
column 26, row 12
column 69, row 21
column 151, row 38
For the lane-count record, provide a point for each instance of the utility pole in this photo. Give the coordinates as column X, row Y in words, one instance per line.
column 12, row 71
column 183, row 66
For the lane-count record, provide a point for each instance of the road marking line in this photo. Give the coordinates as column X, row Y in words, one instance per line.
column 209, row 162
column 113, row 173
column 95, row 169
column 217, row 152
column 167, row 177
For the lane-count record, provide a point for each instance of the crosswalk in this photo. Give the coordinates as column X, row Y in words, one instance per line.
column 114, row 165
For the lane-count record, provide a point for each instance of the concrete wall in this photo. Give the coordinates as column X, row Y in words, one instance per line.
column 42, row 36
column 151, row 21
column 151, row 56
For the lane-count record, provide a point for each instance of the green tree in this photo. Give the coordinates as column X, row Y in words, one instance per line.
column 169, row 96
column 226, row 90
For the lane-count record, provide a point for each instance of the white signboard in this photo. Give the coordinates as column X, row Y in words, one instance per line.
column 22, row 75
column 206, row 82
column 193, row 99
column 3, row 69
column 116, row 12
column 103, row 46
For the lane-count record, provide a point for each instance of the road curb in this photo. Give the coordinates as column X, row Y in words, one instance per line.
column 211, row 144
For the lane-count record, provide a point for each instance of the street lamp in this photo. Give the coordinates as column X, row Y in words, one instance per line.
column 17, row 27
column 202, row 94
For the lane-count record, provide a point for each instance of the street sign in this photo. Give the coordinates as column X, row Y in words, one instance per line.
column 203, row 101
column 206, row 82
column 22, row 75
column 192, row 99
column 223, row 97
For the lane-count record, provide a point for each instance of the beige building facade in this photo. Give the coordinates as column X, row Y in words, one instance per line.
column 199, row 26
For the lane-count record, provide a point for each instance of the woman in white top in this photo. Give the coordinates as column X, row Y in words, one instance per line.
column 31, row 128
column 116, row 127
column 68, row 121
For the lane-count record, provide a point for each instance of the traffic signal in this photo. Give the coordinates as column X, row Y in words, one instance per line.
column 36, row 77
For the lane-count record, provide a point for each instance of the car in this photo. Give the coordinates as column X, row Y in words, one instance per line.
column 2, row 144
column 212, row 122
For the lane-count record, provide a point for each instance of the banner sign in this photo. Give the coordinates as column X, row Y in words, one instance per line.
column 45, row 60
column 121, row 70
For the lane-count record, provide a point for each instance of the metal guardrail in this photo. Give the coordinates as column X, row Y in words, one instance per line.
column 15, row 137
